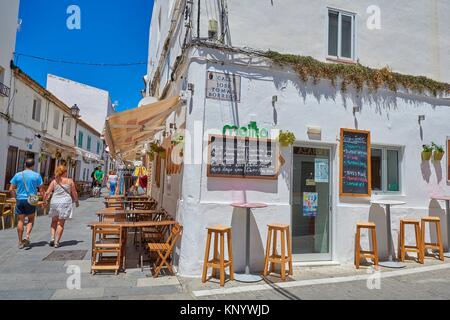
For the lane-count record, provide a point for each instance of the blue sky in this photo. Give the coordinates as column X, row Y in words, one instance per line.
column 112, row 32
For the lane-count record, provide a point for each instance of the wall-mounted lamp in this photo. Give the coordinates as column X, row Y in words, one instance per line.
column 356, row 109
column 191, row 87
column 274, row 99
column 421, row 118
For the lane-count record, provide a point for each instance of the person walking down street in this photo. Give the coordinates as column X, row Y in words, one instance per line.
column 63, row 195
column 93, row 178
column 112, row 182
column 27, row 184
column 99, row 176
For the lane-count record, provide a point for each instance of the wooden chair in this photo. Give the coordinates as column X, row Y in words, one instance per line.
column 6, row 210
column 107, row 239
column 165, row 250
column 286, row 253
column 113, row 203
column 432, row 245
column 218, row 261
column 402, row 248
column 371, row 227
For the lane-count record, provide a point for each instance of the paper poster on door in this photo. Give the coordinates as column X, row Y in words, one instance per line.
column 321, row 170
column 310, row 204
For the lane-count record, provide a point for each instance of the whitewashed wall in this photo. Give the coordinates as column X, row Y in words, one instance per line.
column 413, row 38
column 392, row 120
column 94, row 103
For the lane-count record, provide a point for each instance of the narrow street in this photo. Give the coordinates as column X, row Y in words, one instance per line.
column 25, row 275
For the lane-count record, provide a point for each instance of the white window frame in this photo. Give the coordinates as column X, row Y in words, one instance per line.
column 339, row 42
column 384, row 172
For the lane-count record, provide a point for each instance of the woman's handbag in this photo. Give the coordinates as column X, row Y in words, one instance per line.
column 33, row 199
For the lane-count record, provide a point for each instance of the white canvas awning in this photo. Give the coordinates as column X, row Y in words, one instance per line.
column 127, row 131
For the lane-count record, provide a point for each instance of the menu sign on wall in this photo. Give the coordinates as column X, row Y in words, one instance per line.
column 355, row 174
column 242, row 157
column 222, row 86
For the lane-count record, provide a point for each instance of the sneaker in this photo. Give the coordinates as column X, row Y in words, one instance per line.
column 26, row 243
column 21, row 246
column 56, row 245
column 52, row 243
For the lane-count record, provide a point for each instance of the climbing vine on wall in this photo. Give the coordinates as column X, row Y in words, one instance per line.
column 357, row 75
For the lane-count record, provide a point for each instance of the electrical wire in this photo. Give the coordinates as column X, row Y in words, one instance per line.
column 80, row 62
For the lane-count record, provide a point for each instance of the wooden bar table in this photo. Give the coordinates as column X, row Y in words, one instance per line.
column 447, row 210
column 113, row 212
column 130, row 224
column 248, row 276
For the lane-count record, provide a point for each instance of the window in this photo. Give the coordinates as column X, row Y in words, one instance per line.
column 341, row 34
column 56, row 119
column 386, row 162
column 80, row 139
column 98, row 147
column 36, row 115
column 89, row 140
column 68, row 126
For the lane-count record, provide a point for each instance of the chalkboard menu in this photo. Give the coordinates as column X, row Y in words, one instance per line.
column 242, row 157
column 355, row 174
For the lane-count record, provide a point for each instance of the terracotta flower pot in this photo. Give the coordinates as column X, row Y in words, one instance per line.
column 426, row 155
column 438, row 155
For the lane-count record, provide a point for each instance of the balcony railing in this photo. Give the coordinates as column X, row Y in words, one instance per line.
column 4, row 90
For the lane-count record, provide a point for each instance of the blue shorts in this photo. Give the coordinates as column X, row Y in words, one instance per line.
column 23, row 207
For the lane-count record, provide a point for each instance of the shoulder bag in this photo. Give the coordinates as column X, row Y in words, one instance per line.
column 33, row 199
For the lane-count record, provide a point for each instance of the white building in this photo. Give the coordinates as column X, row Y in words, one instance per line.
column 40, row 126
column 89, row 146
column 95, row 105
column 9, row 11
column 281, row 92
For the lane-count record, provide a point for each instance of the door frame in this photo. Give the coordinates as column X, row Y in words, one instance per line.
column 312, row 257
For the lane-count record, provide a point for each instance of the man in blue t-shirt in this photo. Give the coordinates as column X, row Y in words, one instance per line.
column 23, row 184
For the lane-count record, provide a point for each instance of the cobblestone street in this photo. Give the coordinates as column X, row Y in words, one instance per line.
column 25, row 275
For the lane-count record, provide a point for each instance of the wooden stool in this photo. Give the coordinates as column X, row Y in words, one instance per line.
column 361, row 253
column 285, row 249
column 430, row 245
column 218, row 261
column 402, row 248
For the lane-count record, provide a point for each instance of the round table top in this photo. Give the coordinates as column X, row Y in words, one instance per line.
column 446, row 198
column 249, row 205
column 388, row 202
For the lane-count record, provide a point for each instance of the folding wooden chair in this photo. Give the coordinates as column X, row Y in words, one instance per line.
column 165, row 250
column 110, row 240
column 6, row 210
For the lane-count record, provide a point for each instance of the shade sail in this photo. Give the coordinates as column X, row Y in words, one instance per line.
column 126, row 130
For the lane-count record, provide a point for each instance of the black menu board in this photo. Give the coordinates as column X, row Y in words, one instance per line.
column 242, row 157
column 355, row 174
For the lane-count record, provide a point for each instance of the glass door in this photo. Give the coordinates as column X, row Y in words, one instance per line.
column 311, row 239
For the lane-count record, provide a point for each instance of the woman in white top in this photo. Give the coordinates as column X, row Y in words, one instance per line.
column 64, row 194
column 113, row 180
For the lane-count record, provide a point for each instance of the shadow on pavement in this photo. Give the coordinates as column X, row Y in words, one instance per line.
column 69, row 243
column 283, row 292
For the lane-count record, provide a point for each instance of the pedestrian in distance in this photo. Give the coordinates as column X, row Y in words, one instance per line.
column 113, row 181
column 63, row 195
column 99, row 176
column 26, row 187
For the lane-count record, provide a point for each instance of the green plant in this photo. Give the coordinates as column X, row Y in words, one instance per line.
column 177, row 139
column 286, row 138
column 437, row 148
column 356, row 75
column 427, row 148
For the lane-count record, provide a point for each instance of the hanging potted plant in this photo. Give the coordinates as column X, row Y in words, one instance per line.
column 286, row 138
column 58, row 155
column 427, row 151
column 438, row 152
